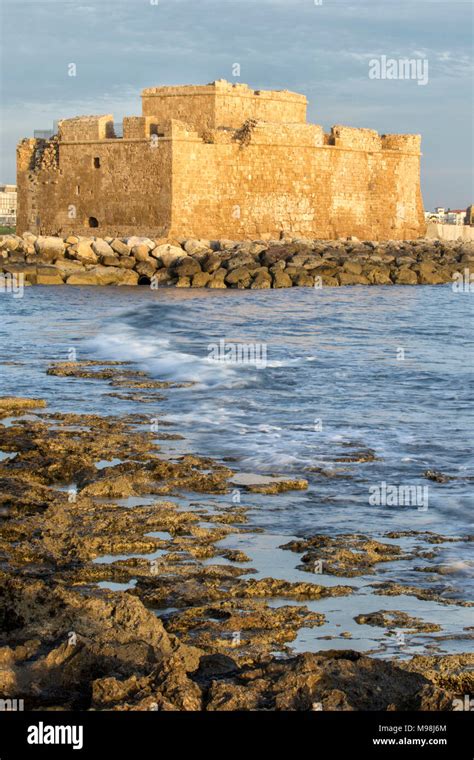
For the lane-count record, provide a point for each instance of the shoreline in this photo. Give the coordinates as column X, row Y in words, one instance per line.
column 168, row 640
column 190, row 263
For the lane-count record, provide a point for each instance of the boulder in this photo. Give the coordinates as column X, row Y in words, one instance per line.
column 101, row 275
column 167, row 254
column 136, row 240
column 120, row 247
column 183, row 282
column 211, row 262
column 101, row 248
column 127, row 262
column 346, row 278
column 239, row 277
column 303, row 279
column 405, row 276
column 187, row 267
column 193, row 246
column 146, row 268
column 110, row 261
column 51, row 278
column 240, row 260
column 261, row 282
column 82, row 251
column 352, row 267
column 49, row 247
column 378, row 275
column 281, row 279
column 141, row 252
column 200, row 280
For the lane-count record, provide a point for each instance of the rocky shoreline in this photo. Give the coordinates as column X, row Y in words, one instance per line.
column 260, row 264
column 110, row 604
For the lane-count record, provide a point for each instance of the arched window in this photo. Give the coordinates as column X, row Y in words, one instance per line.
column 93, row 222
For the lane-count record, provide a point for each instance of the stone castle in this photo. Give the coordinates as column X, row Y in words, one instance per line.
column 219, row 161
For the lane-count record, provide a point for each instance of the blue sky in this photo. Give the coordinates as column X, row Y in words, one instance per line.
column 323, row 51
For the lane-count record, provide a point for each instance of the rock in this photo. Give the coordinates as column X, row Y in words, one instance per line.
column 110, row 260
column 49, row 247
column 281, row 279
column 277, row 253
column 216, row 282
column 120, row 247
column 352, row 267
column 82, row 251
column 164, row 277
column 196, row 246
column 405, row 276
column 303, row 280
column 239, row 260
column 100, row 275
column 377, row 275
column 49, row 278
column 168, row 254
column 352, row 279
column 239, row 277
column 187, row 267
column 135, row 240
column 200, row 279
column 67, row 267
column 101, row 248
column 183, row 282
column 261, row 282
column 146, row 268
column 211, row 262
column 127, row 262
column 141, row 252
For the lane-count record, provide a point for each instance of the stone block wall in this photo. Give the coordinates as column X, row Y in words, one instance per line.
column 220, row 161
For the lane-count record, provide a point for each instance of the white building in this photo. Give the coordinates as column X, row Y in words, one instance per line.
column 8, row 205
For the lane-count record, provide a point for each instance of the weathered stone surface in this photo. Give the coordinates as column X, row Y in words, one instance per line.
column 120, row 247
column 187, row 267
column 102, row 248
column 82, row 251
column 200, row 279
column 49, row 247
column 168, row 254
column 100, row 275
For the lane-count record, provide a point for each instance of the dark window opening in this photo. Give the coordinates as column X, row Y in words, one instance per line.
column 97, row 162
column 93, row 222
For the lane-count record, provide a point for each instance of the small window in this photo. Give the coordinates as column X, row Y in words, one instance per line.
column 93, row 222
column 97, row 162
column 78, row 189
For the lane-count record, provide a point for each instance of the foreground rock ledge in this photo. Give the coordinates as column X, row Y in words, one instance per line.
column 258, row 264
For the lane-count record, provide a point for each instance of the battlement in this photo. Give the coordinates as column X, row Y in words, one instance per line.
column 222, row 104
column 86, row 128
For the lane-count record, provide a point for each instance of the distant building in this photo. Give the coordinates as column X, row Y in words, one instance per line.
column 8, row 205
column 455, row 216
column 442, row 215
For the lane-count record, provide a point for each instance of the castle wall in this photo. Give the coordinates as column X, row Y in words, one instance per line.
column 287, row 180
column 130, row 190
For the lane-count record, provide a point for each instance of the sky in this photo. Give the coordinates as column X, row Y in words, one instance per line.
column 324, row 49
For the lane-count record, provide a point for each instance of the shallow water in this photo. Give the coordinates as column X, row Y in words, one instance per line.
column 340, row 371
